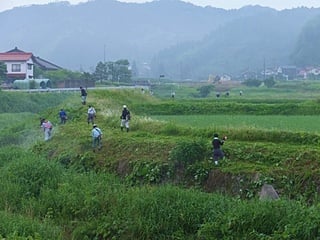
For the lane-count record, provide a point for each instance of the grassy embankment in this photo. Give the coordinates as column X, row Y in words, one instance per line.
column 62, row 189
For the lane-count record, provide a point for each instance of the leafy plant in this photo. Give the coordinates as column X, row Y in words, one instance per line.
column 148, row 172
column 189, row 152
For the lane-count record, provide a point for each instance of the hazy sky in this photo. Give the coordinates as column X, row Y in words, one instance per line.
column 226, row 4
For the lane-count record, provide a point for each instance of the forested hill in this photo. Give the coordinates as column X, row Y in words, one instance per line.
column 307, row 49
column 180, row 39
column 266, row 38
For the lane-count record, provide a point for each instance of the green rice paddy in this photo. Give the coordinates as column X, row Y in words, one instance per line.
column 299, row 123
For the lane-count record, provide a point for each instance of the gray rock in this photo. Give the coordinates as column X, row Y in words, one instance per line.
column 268, row 193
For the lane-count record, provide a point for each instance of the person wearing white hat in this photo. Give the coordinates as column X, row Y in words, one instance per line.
column 125, row 118
column 96, row 134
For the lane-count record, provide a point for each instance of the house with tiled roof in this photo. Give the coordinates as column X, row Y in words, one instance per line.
column 20, row 64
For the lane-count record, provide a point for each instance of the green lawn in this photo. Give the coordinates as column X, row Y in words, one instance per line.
column 270, row 122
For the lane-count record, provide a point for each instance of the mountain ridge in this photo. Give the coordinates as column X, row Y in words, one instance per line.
column 77, row 37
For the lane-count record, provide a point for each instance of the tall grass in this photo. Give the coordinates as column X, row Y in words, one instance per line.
column 15, row 226
column 12, row 102
column 98, row 206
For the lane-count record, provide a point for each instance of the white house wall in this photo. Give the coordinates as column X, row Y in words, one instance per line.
column 29, row 71
column 23, row 68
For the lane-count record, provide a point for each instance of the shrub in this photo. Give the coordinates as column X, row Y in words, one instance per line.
column 204, row 91
column 148, row 172
column 269, row 82
column 252, row 82
column 186, row 153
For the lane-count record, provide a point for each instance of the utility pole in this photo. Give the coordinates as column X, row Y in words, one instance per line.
column 104, row 53
column 264, row 68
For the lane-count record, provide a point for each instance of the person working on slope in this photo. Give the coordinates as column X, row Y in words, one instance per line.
column 217, row 152
column 125, row 118
column 96, row 134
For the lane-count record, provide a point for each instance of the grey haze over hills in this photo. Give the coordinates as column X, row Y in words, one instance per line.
column 259, row 38
column 175, row 38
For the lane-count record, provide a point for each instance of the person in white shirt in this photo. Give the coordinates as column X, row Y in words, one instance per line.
column 47, row 128
column 91, row 114
column 96, row 134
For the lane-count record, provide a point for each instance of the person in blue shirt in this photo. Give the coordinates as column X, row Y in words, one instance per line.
column 63, row 116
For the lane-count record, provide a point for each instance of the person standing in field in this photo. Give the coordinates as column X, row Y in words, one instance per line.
column 217, row 151
column 47, row 129
column 173, row 94
column 96, row 134
column 83, row 95
column 63, row 116
column 125, row 118
column 91, row 114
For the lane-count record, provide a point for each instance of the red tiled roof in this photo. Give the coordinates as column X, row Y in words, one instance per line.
column 15, row 56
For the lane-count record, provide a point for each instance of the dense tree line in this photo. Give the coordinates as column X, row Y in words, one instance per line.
column 115, row 72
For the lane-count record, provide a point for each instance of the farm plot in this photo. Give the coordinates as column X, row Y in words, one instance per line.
column 299, row 123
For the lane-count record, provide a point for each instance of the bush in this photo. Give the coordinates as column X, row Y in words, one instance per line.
column 252, row 82
column 186, row 153
column 148, row 172
column 204, row 91
column 269, row 82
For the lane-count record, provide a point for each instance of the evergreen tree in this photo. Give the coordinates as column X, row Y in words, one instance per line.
column 3, row 71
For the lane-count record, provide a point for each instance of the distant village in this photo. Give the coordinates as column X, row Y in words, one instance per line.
column 20, row 69
column 279, row 73
column 286, row 73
